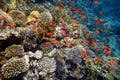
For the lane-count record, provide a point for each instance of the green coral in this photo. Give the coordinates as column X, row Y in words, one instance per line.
column 14, row 50
column 14, row 66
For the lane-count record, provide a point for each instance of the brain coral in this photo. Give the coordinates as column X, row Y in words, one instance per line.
column 14, row 50
column 14, row 66
column 46, row 17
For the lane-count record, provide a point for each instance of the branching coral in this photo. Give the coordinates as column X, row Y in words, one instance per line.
column 14, row 66
column 14, row 50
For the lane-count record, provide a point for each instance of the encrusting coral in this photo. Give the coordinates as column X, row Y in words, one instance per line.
column 14, row 66
column 14, row 50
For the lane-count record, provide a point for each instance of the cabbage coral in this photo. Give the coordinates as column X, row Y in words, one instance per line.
column 14, row 66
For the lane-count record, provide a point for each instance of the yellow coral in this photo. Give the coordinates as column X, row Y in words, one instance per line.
column 35, row 13
column 13, row 5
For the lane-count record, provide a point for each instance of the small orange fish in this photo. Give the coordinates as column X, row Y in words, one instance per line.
column 40, row 31
column 10, row 14
column 83, row 13
column 96, row 31
column 84, row 41
column 54, row 42
column 84, row 28
column 106, row 48
column 87, row 48
column 7, row 27
column 68, row 43
column 48, row 33
column 34, row 28
column 83, row 17
column 73, row 9
column 97, row 60
column 46, row 38
column 87, row 57
column 112, row 62
column 108, row 53
column 21, row 15
column 52, row 25
column 88, row 35
column 13, row 24
column 2, row 17
column 102, row 22
column 52, row 36
column 96, row 2
column 112, row 72
column 61, row 5
column 83, row 53
column 73, row 17
column 33, row 15
column 47, row 43
column 94, row 43
column 1, row 25
column 66, row 35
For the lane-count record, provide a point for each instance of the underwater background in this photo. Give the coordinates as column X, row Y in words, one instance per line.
column 59, row 40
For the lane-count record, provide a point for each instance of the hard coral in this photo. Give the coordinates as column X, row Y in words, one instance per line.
column 46, row 17
column 14, row 50
column 18, row 16
column 14, row 66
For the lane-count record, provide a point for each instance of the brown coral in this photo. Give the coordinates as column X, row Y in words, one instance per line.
column 14, row 50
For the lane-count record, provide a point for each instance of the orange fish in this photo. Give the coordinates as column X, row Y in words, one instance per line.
column 108, row 53
column 94, row 43
column 62, row 5
column 46, row 38
column 2, row 17
column 87, row 57
column 96, row 2
column 68, row 13
column 52, row 25
column 21, row 15
column 84, row 28
column 84, row 41
column 74, row 17
column 112, row 72
column 112, row 62
column 66, row 35
column 102, row 22
column 88, row 35
column 34, row 28
column 10, row 14
column 40, row 31
column 7, row 27
column 47, row 43
column 1, row 25
column 48, row 33
column 83, row 13
column 13, row 24
column 83, row 53
column 83, row 17
column 73, row 9
column 54, row 42
column 52, row 36
column 106, row 48
column 87, row 48
column 96, row 31
column 68, row 43
column 97, row 60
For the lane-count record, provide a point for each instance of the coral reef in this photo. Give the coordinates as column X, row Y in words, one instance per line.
column 14, row 66
column 14, row 50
